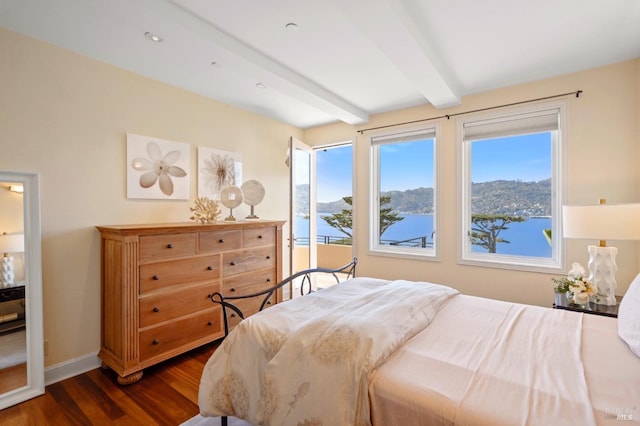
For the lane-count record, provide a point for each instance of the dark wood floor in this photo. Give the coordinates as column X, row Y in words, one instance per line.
column 166, row 395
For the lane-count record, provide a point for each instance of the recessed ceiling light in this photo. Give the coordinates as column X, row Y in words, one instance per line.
column 260, row 86
column 292, row 26
column 153, row 37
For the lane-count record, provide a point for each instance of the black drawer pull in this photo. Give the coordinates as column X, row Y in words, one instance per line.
column 259, row 237
column 268, row 280
column 232, row 263
column 209, row 268
column 169, row 245
column 10, row 295
column 221, row 240
column 156, row 342
column 232, row 315
column 268, row 257
column 156, row 277
column 156, row 309
column 233, row 289
column 210, row 323
column 269, row 302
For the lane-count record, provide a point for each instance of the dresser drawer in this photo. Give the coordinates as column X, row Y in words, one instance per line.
column 248, row 308
column 168, row 336
column 248, row 260
column 167, row 245
column 240, row 285
column 259, row 237
column 159, row 275
column 164, row 305
column 217, row 241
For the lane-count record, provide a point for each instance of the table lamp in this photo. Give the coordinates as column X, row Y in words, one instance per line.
column 602, row 222
column 9, row 244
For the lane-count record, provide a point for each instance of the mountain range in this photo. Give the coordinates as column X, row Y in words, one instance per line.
column 513, row 197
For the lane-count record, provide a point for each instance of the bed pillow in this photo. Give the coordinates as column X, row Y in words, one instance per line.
column 629, row 317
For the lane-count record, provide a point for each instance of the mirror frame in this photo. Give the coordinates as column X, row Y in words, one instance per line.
column 33, row 289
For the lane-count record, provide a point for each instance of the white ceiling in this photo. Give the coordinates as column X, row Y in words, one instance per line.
column 348, row 59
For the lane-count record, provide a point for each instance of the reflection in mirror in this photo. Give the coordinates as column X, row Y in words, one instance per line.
column 21, row 343
column 13, row 342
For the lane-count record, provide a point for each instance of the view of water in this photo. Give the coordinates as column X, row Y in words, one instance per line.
column 526, row 238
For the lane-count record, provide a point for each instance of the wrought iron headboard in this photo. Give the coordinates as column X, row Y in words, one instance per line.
column 349, row 269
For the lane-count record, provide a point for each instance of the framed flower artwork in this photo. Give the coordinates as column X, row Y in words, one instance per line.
column 216, row 170
column 157, row 168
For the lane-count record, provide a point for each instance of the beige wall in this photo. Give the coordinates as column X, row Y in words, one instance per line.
column 603, row 161
column 66, row 116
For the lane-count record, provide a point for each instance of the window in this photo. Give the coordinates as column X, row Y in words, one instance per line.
column 511, row 188
column 403, row 193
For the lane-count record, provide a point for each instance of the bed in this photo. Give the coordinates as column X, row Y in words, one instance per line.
column 372, row 351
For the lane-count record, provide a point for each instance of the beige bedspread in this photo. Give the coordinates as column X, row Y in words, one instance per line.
column 308, row 361
column 486, row 362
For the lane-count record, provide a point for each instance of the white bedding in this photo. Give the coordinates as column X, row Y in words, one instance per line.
column 487, row 362
column 471, row 361
column 307, row 361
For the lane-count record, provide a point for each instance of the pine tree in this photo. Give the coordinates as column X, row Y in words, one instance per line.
column 486, row 228
column 343, row 221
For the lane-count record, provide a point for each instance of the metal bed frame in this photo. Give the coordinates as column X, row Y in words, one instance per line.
column 305, row 288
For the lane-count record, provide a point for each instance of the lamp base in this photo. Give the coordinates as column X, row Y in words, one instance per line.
column 6, row 272
column 602, row 272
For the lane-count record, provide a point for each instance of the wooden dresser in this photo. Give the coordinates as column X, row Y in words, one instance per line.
column 156, row 283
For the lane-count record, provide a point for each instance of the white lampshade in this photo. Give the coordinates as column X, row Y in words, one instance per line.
column 13, row 243
column 18, row 188
column 602, row 222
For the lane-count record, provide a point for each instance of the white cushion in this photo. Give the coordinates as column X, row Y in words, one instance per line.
column 629, row 317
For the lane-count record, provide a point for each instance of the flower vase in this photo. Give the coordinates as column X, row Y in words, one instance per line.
column 569, row 297
column 559, row 298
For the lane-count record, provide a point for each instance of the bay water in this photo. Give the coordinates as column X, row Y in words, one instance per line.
column 525, row 238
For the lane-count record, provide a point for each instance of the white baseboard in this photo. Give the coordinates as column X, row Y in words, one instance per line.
column 70, row 368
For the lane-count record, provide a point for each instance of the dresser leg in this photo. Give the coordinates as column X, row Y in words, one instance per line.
column 130, row 379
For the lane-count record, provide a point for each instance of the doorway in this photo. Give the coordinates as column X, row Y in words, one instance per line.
column 321, row 182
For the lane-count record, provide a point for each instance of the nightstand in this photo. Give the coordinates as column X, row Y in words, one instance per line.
column 561, row 302
column 12, row 312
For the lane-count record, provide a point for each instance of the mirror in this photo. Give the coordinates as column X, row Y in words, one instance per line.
column 21, row 331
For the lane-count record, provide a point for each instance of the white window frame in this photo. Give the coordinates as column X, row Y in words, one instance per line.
column 396, row 136
column 557, row 261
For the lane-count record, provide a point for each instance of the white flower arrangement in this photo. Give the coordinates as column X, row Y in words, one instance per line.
column 577, row 289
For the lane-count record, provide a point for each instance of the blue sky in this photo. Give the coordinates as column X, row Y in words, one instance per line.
column 406, row 165
column 526, row 158
column 334, row 173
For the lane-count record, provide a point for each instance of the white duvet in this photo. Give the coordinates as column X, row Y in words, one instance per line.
column 308, row 361
column 485, row 362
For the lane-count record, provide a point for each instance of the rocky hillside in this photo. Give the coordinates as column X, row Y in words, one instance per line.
column 499, row 197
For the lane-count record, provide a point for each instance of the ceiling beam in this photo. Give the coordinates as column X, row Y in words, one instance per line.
column 389, row 26
column 260, row 67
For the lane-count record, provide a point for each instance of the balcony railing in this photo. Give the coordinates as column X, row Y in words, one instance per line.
column 419, row 242
column 324, row 239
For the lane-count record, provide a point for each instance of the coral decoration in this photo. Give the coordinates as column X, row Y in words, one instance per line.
column 205, row 210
